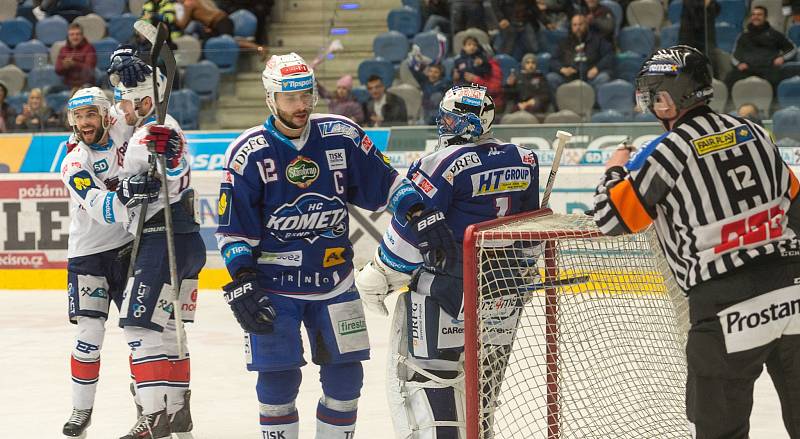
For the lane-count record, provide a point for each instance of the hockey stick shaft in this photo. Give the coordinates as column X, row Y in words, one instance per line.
column 562, row 137
column 567, row 281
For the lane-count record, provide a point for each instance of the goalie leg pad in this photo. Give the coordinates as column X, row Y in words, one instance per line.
column 85, row 361
column 433, row 333
column 426, row 395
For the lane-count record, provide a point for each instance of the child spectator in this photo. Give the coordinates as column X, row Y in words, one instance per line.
column 528, row 90
column 341, row 101
column 471, row 63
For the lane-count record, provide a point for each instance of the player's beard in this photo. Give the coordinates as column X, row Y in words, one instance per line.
column 97, row 135
column 286, row 118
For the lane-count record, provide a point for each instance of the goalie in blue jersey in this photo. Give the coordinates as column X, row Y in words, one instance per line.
column 283, row 234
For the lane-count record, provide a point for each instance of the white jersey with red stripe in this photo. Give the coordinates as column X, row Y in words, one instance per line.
column 136, row 162
column 91, row 174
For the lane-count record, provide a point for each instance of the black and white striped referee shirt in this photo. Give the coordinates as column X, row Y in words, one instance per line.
column 716, row 189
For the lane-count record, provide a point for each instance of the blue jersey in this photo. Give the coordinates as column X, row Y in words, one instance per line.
column 469, row 183
column 283, row 203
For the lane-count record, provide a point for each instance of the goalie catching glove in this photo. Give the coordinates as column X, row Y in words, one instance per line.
column 250, row 304
column 376, row 281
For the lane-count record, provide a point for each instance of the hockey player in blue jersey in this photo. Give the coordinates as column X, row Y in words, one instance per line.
column 475, row 178
column 283, row 234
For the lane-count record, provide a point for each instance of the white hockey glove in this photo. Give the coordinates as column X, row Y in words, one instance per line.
column 376, row 281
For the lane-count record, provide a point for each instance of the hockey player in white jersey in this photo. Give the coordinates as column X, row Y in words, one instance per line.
column 283, row 234
column 161, row 377
column 99, row 248
column 475, row 178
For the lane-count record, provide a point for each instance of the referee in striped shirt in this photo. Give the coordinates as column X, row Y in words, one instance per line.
column 726, row 210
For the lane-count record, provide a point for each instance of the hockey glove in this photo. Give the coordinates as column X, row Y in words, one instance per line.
column 250, row 304
column 133, row 190
column 436, row 242
column 127, row 67
column 166, row 141
column 376, row 281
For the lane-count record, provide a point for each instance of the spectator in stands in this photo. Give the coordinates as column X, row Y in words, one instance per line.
column 434, row 85
column 583, row 55
column 213, row 20
column 162, row 11
column 749, row 111
column 760, row 51
column 527, row 91
column 384, row 108
column 471, row 63
column 261, row 9
column 7, row 112
column 77, row 59
column 341, row 101
column 554, row 13
column 517, row 23
column 67, row 9
column 600, row 19
column 465, row 14
column 434, row 13
column 694, row 30
column 36, row 115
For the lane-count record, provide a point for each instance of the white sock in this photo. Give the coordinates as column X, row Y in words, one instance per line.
column 279, row 421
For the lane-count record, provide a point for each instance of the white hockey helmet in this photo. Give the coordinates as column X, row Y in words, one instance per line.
column 88, row 97
column 466, row 112
column 142, row 90
column 285, row 73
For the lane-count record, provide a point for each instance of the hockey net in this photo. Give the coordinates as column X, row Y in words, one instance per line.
column 571, row 334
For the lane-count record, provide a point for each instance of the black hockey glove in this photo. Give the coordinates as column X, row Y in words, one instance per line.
column 127, row 67
column 133, row 190
column 436, row 242
column 250, row 304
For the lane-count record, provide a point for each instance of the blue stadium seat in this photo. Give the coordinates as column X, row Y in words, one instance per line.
column 627, row 65
column 203, row 79
column 15, row 31
column 617, row 11
column 361, row 94
column 391, row 46
column 104, row 48
column 184, row 106
column 549, row 39
column 674, row 11
column 376, row 66
column 57, row 101
column 543, row 62
column 616, row 95
column 222, row 51
column 789, row 69
column 5, row 54
column 109, row 8
column 120, row 27
column 794, row 34
column 507, row 63
column 43, row 77
column 731, row 12
column 786, row 123
column 669, row 35
column 51, row 29
column 726, row 36
column 432, row 44
column 637, row 39
column 17, row 101
column 30, row 53
column 789, row 92
column 245, row 23
column 405, row 20
column 608, row 116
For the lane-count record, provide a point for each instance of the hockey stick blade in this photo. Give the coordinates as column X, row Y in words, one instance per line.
column 567, row 281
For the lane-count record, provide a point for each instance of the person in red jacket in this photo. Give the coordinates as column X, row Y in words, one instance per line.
column 77, row 59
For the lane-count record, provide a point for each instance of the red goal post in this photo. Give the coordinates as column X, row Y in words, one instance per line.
column 597, row 330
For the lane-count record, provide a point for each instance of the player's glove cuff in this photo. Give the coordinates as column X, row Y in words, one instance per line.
column 250, row 304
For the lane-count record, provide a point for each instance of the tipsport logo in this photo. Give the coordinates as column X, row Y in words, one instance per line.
column 295, row 84
column 80, row 102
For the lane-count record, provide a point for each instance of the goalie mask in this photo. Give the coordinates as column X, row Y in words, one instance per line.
column 139, row 92
column 289, row 73
column 465, row 113
column 682, row 72
column 89, row 97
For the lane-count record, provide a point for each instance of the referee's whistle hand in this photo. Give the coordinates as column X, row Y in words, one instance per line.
column 619, row 158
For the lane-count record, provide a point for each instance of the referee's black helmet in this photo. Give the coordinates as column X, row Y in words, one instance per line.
column 682, row 71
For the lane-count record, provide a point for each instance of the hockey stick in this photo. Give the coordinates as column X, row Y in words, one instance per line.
column 562, row 137
column 555, row 283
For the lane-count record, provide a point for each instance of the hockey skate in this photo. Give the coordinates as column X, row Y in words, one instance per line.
column 152, row 426
column 181, row 421
column 78, row 422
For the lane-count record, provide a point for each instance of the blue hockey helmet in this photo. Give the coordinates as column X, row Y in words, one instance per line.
column 465, row 113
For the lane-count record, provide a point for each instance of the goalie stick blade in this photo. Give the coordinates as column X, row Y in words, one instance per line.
column 558, row 283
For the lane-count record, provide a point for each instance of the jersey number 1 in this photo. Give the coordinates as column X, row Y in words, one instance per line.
column 502, row 204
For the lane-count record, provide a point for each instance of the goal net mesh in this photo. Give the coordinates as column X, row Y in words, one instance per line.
column 578, row 335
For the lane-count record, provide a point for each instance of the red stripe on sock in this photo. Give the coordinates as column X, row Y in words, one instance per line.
column 85, row 370
column 151, row 371
column 180, row 371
